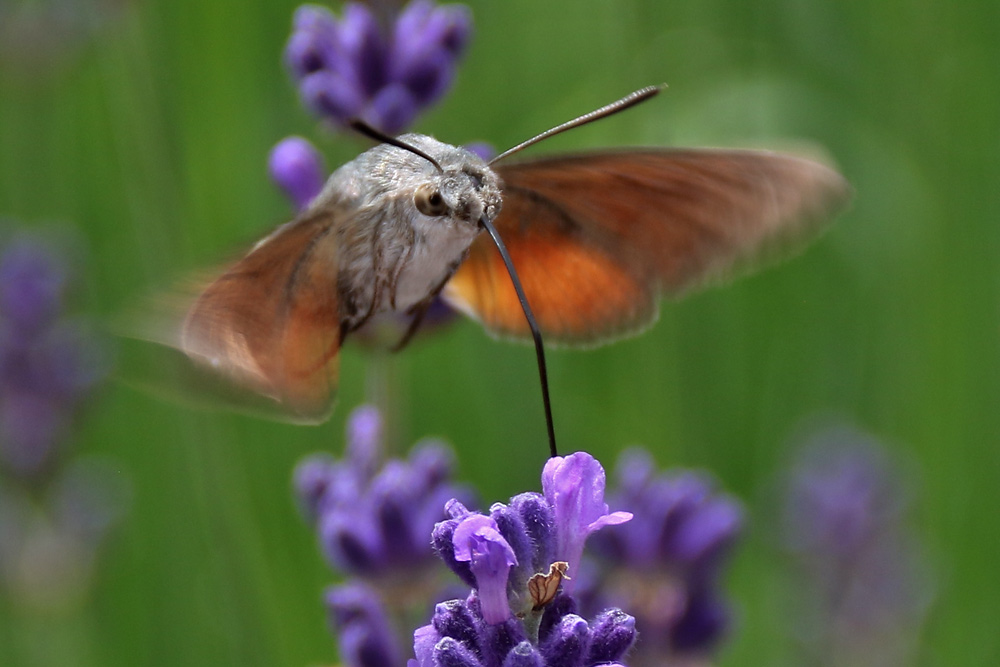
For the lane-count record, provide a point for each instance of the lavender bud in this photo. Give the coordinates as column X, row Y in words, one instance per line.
column 568, row 643
column 350, row 543
column 612, row 636
column 296, row 166
column 312, row 479
column 451, row 653
column 328, row 93
column 442, row 539
column 424, row 639
column 712, row 529
column 392, row 109
column 523, row 655
column 703, row 622
column 513, row 530
column 363, row 48
column 366, row 640
column 539, row 522
column 454, row 619
column 364, row 439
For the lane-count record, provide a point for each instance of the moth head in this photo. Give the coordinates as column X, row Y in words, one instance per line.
column 458, row 186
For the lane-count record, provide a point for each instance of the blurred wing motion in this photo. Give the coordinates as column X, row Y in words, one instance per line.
column 272, row 322
column 597, row 238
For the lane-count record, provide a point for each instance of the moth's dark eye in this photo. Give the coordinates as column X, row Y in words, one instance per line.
column 429, row 201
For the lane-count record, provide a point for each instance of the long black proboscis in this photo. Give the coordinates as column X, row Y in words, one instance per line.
column 536, row 334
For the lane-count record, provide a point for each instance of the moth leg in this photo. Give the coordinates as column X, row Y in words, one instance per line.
column 418, row 311
column 357, row 323
column 397, row 270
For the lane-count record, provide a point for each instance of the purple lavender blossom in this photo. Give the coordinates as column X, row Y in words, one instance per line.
column 374, row 521
column 356, row 67
column 859, row 585
column 47, row 364
column 54, row 512
column 297, row 167
column 665, row 564
column 32, row 281
column 478, row 542
column 574, row 487
column 513, row 627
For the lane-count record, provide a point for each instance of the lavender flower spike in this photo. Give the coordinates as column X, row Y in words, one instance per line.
column 510, row 619
column 860, row 577
column 47, row 363
column 54, row 511
column 478, row 541
column 385, row 73
column 574, row 486
column 373, row 518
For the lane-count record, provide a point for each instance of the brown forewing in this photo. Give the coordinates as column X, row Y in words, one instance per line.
column 596, row 237
column 271, row 322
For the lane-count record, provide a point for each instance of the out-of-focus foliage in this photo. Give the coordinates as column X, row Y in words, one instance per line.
column 148, row 124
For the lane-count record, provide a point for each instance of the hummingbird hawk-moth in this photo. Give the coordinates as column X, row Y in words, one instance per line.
column 597, row 239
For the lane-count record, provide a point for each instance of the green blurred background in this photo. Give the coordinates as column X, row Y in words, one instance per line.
column 150, row 131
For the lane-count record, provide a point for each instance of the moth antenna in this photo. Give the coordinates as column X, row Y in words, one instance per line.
column 364, row 129
column 629, row 100
column 536, row 334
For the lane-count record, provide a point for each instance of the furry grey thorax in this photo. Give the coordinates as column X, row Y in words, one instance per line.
column 391, row 256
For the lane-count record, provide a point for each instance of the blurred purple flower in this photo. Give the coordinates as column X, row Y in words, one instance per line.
column 356, row 67
column 54, row 512
column 297, row 167
column 362, row 624
column 47, row 364
column 32, row 281
column 374, row 520
column 524, row 624
column 859, row 570
column 665, row 564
